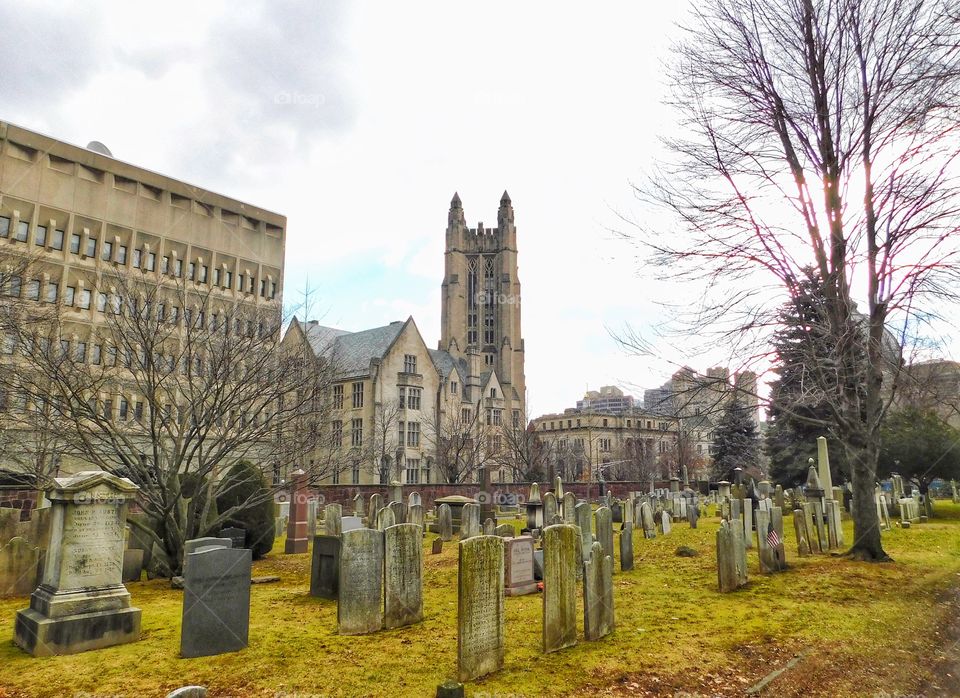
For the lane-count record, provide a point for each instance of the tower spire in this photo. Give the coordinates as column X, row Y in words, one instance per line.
column 505, row 214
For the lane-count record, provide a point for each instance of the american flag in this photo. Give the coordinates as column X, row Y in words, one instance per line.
column 773, row 539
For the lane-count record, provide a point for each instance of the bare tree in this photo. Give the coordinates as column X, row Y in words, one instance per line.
column 522, row 454
column 174, row 384
column 385, row 447
column 462, row 443
column 825, row 134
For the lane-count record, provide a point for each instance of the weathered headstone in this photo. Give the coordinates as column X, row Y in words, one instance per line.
column 333, row 519
column 237, row 536
column 216, row 602
column 399, row 511
column 626, row 547
column 469, row 521
column 297, row 524
column 81, row 603
column 769, row 543
column 584, row 515
column 569, row 507
column 489, row 527
column 195, row 544
column 386, row 518
column 403, row 575
column 19, row 562
column 437, row 547
column 549, row 507
column 349, row 523
column 558, row 488
column 646, row 517
column 358, row 505
column 823, row 466
column 693, row 514
column 359, row 602
column 800, row 528
column 519, row 578
column 480, row 607
column 506, row 530
column 445, row 523
column 747, row 511
column 413, row 499
column 534, row 508
column 731, row 556
column 132, row 566
column 604, row 526
column 598, row 617
column 325, row 567
column 376, row 504
column 665, row 524
column 415, row 515
column 559, row 587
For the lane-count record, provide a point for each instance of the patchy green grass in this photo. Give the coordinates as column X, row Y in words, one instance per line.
column 862, row 628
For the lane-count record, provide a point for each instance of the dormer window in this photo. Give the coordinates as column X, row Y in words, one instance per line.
column 493, row 392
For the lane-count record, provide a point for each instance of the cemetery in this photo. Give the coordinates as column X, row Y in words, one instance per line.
column 715, row 598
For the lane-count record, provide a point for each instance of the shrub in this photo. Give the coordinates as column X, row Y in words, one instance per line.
column 243, row 480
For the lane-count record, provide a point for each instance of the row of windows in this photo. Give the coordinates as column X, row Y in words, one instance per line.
column 410, row 398
column 662, row 426
column 148, row 262
column 412, row 434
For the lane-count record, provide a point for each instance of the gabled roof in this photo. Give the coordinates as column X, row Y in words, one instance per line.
column 446, row 364
column 351, row 352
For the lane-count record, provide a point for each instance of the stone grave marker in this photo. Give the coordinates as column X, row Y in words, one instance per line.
column 747, row 509
column 360, row 587
column 237, row 536
column 403, row 575
column 604, row 525
column 376, row 504
column 693, row 514
column 350, row 523
column 489, row 527
column 480, row 608
column 297, row 524
column 81, row 603
column 598, row 618
column 558, row 488
column 469, row 521
column 800, row 529
column 646, row 518
column 769, row 543
column 519, row 578
column 312, row 507
column 358, row 505
column 665, row 524
column 534, row 508
column 437, row 546
column 549, row 507
column 216, row 602
column 19, row 562
column 584, row 514
column 569, row 507
column 333, row 519
column 325, row 567
column 413, row 500
column 445, row 522
column 559, row 587
column 386, row 518
column 731, row 556
column 195, row 544
column 415, row 515
column 626, row 547
column 399, row 511
column 505, row 530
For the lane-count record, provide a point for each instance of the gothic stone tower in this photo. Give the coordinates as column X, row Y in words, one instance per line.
column 480, row 307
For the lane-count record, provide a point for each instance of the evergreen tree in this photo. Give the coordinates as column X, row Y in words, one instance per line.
column 735, row 441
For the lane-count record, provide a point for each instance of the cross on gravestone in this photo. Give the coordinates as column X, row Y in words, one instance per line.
column 598, row 617
column 480, row 607
column 216, row 602
column 325, row 567
column 360, row 586
column 559, row 587
column 403, row 575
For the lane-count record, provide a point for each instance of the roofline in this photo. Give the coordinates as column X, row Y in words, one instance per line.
column 90, row 158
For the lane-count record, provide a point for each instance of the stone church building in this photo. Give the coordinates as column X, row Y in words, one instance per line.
column 404, row 412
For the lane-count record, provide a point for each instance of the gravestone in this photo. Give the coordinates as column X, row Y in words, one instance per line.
column 569, row 508
column 19, row 562
column 437, row 546
column 489, row 527
column 81, row 603
column 813, row 538
column 769, row 543
column 237, row 536
column 598, row 618
column 693, row 514
column 132, row 566
column 297, row 524
column 519, row 577
column 549, row 507
column 538, row 564
column 506, row 530
column 350, row 523
column 325, row 567
column 445, row 523
column 415, row 515
column 312, row 507
column 358, row 505
column 534, row 508
column 333, row 519
column 731, row 556
column 604, row 525
column 665, row 524
column 626, row 547
column 195, row 544
column 747, row 509
column 823, row 465
column 584, row 514
column 627, row 511
column 216, row 602
column 403, row 575
column 646, row 518
column 480, row 608
column 558, row 488
column 399, row 511
column 800, row 529
column 559, row 587
column 376, row 504
column 469, row 521
column 413, row 500
column 360, row 587
column 616, row 511
column 386, row 518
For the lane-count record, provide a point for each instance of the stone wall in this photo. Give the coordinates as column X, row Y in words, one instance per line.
column 504, row 493
column 18, row 498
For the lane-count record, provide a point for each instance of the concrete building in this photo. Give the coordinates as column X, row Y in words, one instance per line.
column 83, row 217
column 404, row 412
column 608, row 399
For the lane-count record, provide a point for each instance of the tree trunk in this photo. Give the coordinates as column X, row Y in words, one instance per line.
column 866, row 525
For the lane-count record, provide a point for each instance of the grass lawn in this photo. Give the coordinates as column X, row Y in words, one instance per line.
column 860, row 629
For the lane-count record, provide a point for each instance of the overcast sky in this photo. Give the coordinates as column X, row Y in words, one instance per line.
column 358, row 121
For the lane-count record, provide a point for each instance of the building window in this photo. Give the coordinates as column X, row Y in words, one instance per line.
column 84, row 303
column 605, row 445
column 91, row 247
column 191, row 271
column 122, row 412
column 273, row 289
column 338, row 397
column 121, row 254
column 604, row 422
column 204, row 270
column 95, row 354
column 57, row 240
column 493, row 392
column 178, row 268
column 336, row 430
column 402, row 433
column 355, row 473
column 413, row 434
column 403, row 398
column 33, row 289
column 409, row 363
column 75, row 243
column 413, row 398
column 497, row 415
column 107, row 251
column 23, row 228
column 138, row 411
column 108, row 409
column 53, row 288
column 4, row 226
column 216, row 276
column 102, row 302
column 137, row 256
column 68, row 295
column 335, row 478
column 453, row 387
column 229, row 281
column 413, row 471
column 357, row 395
column 356, row 432
column 40, row 239
column 516, row 418
column 164, row 265
column 465, row 415
column 151, row 261
column 13, row 287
